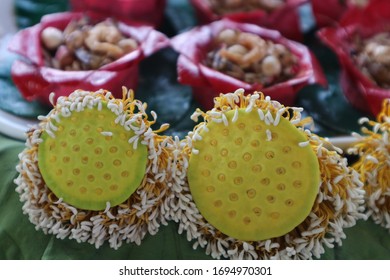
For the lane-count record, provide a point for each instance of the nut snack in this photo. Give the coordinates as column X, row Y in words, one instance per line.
column 64, row 52
column 360, row 43
column 225, row 55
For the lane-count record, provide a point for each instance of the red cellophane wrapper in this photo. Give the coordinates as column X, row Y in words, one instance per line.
column 330, row 12
column 284, row 19
column 208, row 83
column 359, row 90
column 36, row 81
column 147, row 12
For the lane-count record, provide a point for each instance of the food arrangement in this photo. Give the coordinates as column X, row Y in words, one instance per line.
column 360, row 45
column 100, row 54
column 289, row 66
column 250, row 58
column 83, row 46
column 372, row 56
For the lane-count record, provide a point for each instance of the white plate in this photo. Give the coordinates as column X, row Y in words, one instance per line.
column 14, row 126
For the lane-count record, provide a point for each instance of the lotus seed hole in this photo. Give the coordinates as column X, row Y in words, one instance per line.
column 72, row 132
column 255, row 143
column 98, row 151
column 60, row 128
column 286, row 149
column 73, row 118
column 101, row 116
column 108, row 138
column 233, row 197
column 257, row 211
column 86, row 128
column 76, row 171
column 91, row 178
column 59, row 172
column 113, row 187
column 66, row 159
column 297, row 184
column 238, row 180
column 107, row 176
column 238, row 141
column 122, row 136
column 281, row 187
column 296, row 164
column 246, row 220
column 232, row 164
column 241, row 126
column 99, row 164
column 225, row 132
column 232, row 213
column 289, row 202
column 218, row 203
column 274, row 136
column 213, row 142
column 129, row 153
column 208, row 158
column 84, row 160
column 98, row 191
column 117, row 162
column 247, row 156
column 275, row 215
column 89, row 141
column 221, row 177
column 270, row 155
column 125, row 174
column 206, row 173
column 280, row 171
column 251, row 193
column 99, row 129
column 83, row 190
column 257, row 128
column 265, row 181
column 113, row 149
column 256, row 168
column 210, row 189
column 69, row 183
column 271, row 198
column 52, row 146
column 63, row 144
column 224, row 152
column 76, row 148
column 53, row 159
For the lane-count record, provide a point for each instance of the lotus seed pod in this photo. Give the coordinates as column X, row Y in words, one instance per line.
column 372, row 148
column 91, row 170
column 258, row 185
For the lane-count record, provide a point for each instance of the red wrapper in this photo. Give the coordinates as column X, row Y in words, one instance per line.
column 330, row 12
column 208, row 83
column 36, row 81
column 146, row 12
column 360, row 91
column 284, row 19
